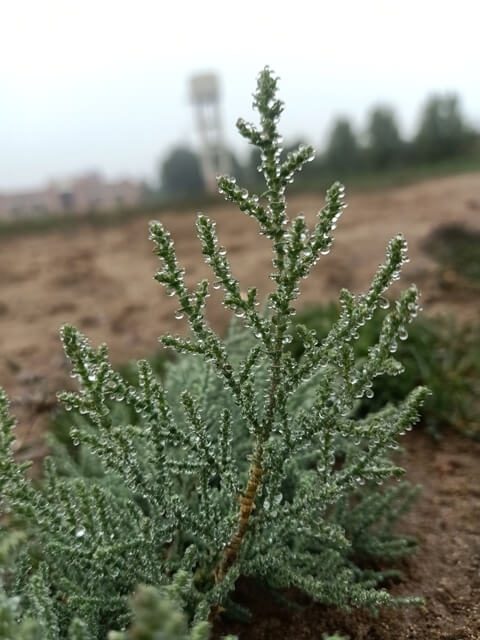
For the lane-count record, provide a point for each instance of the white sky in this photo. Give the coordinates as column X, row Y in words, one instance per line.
column 102, row 84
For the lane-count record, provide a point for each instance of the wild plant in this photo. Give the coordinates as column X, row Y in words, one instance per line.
column 242, row 460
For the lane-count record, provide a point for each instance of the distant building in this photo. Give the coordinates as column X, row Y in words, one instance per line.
column 89, row 192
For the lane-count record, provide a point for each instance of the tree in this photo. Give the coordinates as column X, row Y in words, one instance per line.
column 385, row 147
column 181, row 174
column 342, row 153
column 442, row 131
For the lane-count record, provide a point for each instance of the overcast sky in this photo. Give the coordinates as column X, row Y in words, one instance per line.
column 102, row 84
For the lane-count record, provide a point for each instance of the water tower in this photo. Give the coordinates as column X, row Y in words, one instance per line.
column 205, row 97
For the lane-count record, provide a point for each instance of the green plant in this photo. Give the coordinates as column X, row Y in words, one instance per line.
column 158, row 615
column 439, row 353
column 246, row 461
column 10, row 628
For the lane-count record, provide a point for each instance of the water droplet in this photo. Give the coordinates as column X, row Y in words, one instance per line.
column 80, row 532
column 179, row 314
column 402, row 333
column 383, row 303
column 222, row 251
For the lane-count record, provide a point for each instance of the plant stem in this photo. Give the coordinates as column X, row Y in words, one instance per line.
column 255, row 473
column 276, row 202
column 247, row 505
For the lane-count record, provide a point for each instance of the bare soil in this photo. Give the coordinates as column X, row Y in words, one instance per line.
column 100, row 279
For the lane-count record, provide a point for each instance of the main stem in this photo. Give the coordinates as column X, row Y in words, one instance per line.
column 255, row 472
column 247, row 505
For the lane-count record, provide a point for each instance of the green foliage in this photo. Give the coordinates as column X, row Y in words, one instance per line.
column 158, row 615
column 439, row 354
column 342, row 154
column 10, row 628
column 181, row 174
column 442, row 131
column 384, row 145
column 245, row 461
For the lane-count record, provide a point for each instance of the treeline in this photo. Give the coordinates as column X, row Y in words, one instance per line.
column 442, row 134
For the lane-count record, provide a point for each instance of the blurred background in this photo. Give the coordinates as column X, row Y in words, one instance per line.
column 112, row 113
column 100, row 91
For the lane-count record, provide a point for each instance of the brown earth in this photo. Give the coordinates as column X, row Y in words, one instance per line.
column 100, row 279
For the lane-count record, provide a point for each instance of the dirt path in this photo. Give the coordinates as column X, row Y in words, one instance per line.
column 101, row 279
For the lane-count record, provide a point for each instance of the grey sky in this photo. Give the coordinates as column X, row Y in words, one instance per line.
column 102, row 84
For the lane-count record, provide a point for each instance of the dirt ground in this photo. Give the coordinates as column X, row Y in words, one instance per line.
column 100, row 279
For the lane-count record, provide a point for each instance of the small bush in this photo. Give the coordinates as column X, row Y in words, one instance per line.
column 243, row 461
